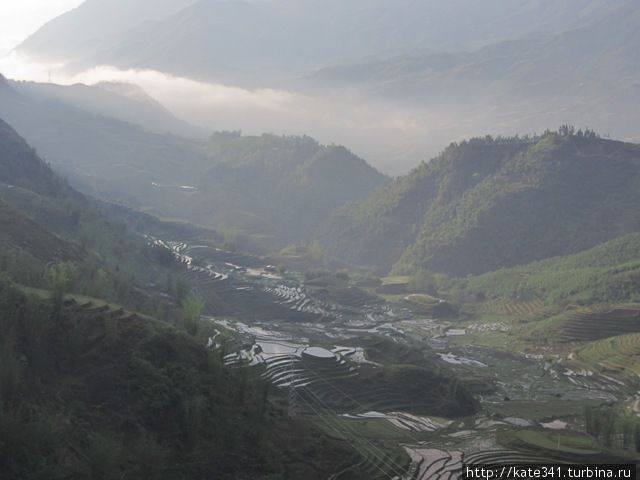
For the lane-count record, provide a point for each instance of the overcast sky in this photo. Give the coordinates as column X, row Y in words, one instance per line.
column 20, row 18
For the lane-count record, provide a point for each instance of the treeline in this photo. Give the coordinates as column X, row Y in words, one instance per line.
column 563, row 131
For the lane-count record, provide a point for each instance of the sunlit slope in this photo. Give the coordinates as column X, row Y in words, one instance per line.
column 606, row 273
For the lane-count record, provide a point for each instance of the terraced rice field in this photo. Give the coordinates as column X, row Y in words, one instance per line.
column 374, row 464
column 297, row 299
column 379, row 409
column 516, row 309
column 618, row 355
column 406, row 421
column 104, row 311
column 328, row 377
column 436, row 464
column 595, row 323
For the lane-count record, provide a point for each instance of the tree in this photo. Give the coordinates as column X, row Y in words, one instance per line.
column 192, row 308
column 59, row 282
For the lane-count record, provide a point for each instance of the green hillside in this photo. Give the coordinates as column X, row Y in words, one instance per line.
column 283, row 186
column 607, row 273
column 490, row 203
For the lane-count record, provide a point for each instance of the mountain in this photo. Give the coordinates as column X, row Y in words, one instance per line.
column 252, row 41
column 492, row 203
column 95, row 24
column 277, row 186
column 109, row 371
column 100, row 155
column 121, row 101
column 586, row 75
column 282, row 186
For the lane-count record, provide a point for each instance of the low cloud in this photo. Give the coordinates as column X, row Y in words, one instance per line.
column 391, row 136
column 393, row 139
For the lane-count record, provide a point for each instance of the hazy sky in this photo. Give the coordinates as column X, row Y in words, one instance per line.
column 19, row 18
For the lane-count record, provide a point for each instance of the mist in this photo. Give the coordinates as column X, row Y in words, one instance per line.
column 393, row 136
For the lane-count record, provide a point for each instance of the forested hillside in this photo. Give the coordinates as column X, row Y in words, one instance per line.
column 281, row 186
column 271, row 186
column 489, row 203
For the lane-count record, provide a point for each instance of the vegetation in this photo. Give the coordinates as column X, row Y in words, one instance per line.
column 613, row 427
column 84, row 394
column 490, row 203
column 283, row 186
column 607, row 273
column 618, row 355
column 89, row 389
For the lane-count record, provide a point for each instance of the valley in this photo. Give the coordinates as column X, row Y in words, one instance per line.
column 344, row 357
column 319, row 239
column 406, row 373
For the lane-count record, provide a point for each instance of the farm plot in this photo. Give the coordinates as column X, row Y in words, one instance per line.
column 297, row 299
column 515, row 309
column 595, row 323
column 617, row 355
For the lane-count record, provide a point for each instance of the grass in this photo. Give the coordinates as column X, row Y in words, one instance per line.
column 606, row 273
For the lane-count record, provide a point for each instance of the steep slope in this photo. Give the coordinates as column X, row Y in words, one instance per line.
column 100, row 155
column 487, row 204
column 233, row 40
column 46, row 225
column 93, row 391
column 18, row 231
column 121, row 101
column 283, row 186
column 21, row 166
